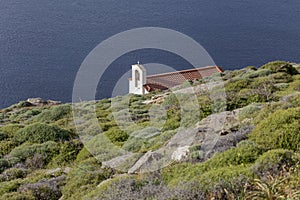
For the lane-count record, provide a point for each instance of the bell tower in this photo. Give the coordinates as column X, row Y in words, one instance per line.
column 138, row 79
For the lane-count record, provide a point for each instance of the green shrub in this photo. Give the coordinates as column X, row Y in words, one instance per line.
column 26, row 115
column 281, row 86
column 107, row 125
column 264, row 87
column 249, row 111
column 258, row 73
column 195, row 152
column 116, row 136
column 209, row 179
column 171, row 101
column 10, row 186
column 40, row 132
column 83, row 155
column 173, row 120
column 236, row 158
column 27, row 151
column 85, row 177
column 246, row 152
column 205, row 177
column 4, row 164
column 295, row 85
column 236, row 85
column 266, row 111
column 295, row 100
column 6, row 146
column 140, row 138
column 54, row 113
column 280, row 66
column 205, row 105
column 17, row 196
column 281, row 77
column 3, row 136
column 272, row 162
column 11, row 129
column 280, row 129
column 171, row 124
column 67, row 153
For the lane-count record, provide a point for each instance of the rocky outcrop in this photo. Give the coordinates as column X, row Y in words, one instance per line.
column 225, row 142
column 216, row 133
column 219, row 132
column 39, row 102
column 156, row 99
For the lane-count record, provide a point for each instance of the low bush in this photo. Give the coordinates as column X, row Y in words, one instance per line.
column 4, row 164
column 173, row 120
column 26, row 115
column 236, row 85
column 44, row 189
column 11, row 129
column 171, row 101
column 67, row 153
column 130, row 187
column 249, row 111
column 280, row 66
column 196, row 153
column 280, row 129
column 295, row 85
column 281, row 77
column 273, row 162
column 6, row 146
column 9, row 186
column 209, row 179
column 40, row 132
column 54, row 113
column 258, row 73
column 116, row 136
column 246, row 152
column 237, row 158
column 83, row 155
column 17, row 196
column 84, row 178
column 3, row 136
column 26, row 151
column 107, row 125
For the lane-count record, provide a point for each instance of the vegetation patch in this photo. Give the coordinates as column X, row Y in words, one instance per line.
column 280, row 129
column 40, row 132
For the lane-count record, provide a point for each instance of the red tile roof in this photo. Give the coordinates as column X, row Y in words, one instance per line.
column 172, row 79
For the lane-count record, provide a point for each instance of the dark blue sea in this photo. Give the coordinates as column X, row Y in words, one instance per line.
column 44, row 42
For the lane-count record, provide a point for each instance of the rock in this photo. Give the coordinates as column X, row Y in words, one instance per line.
column 40, row 102
column 181, row 153
column 53, row 171
column 296, row 66
column 216, row 133
column 25, row 104
column 36, row 101
column 225, row 142
column 151, row 161
column 67, row 170
column 156, row 99
column 116, row 162
column 219, row 132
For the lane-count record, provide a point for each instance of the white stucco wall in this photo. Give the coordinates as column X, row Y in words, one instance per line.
column 136, row 86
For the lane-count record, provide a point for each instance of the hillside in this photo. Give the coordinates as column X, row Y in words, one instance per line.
column 236, row 136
